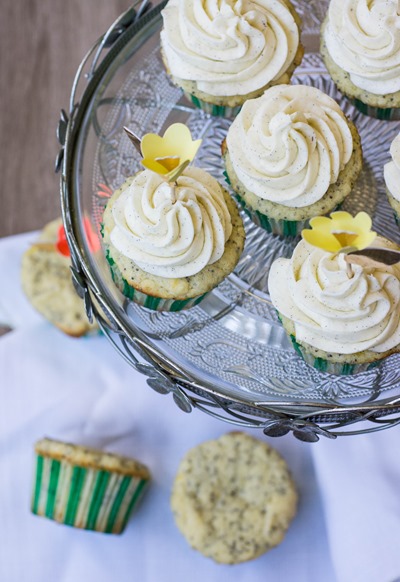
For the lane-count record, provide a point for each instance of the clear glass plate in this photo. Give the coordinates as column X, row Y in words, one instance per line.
column 232, row 343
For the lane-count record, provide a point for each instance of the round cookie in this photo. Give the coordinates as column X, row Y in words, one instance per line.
column 47, row 283
column 233, row 498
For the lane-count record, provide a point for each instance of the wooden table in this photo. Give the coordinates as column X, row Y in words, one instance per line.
column 42, row 43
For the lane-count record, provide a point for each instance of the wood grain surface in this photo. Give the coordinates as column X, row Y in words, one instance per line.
column 42, row 43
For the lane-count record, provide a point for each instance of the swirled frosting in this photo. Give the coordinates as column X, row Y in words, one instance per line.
column 229, row 47
column 329, row 310
column 363, row 38
column 290, row 144
column 172, row 231
column 391, row 170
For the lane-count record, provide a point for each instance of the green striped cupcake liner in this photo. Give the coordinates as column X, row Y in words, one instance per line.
column 394, row 206
column 388, row 114
column 337, row 368
column 396, row 217
column 85, row 497
column 154, row 303
column 287, row 228
column 212, row 109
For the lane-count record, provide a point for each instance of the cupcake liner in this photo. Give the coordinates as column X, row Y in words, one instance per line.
column 86, row 498
column 395, row 206
column 388, row 114
column 287, row 228
column 211, row 108
column 149, row 301
column 337, row 368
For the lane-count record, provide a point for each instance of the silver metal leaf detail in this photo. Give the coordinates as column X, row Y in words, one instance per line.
column 233, row 338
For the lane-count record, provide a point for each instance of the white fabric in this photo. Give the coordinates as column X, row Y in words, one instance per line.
column 15, row 310
column 82, row 390
column 359, row 479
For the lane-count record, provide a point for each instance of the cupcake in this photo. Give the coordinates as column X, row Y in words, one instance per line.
column 289, row 155
column 86, row 488
column 223, row 55
column 47, row 283
column 341, row 319
column 391, row 172
column 169, row 244
column 360, row 45
column 233, row 498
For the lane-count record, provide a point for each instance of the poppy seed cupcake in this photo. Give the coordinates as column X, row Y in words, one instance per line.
column 338, row 323
column 391, row 172
column 289, row 155
column 224, row 54
column 360, row 45
column 169, row 244
column 85, row 487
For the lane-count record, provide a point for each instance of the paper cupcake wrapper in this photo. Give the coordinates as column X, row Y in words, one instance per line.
column 86, row 498
column 155, row 303
column 396, row 217
column 337, row 368
column 218, row 110
column 394, row 206
column 388, row 114
column 287, row 228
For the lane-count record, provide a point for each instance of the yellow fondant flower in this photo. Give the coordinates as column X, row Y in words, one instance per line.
column 340, row 232
column 169, row 155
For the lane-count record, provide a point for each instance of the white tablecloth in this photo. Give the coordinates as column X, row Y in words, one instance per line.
column 348, row 522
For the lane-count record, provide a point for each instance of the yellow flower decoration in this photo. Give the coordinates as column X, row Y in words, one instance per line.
column 341, row 232
column 169, row 155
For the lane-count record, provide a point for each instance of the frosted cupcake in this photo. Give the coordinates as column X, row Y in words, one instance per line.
column 171, row 233
column 360, row 44
column 289, row 155
column 223, row 53
column 340, row 322
column 391, row 172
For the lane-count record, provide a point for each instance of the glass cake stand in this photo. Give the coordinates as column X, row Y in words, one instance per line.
column 228, row 357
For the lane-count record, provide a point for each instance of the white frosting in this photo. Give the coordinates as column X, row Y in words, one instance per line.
column 229, row 47
column 391, row 170
column 332, row 312
column 290, row 144
column 172, row 231
column 363, row 38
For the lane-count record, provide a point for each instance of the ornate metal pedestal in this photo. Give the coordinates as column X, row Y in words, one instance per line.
column 228, row 357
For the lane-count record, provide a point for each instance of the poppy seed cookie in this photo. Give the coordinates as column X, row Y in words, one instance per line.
column 233, row 498
column 47, row 283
